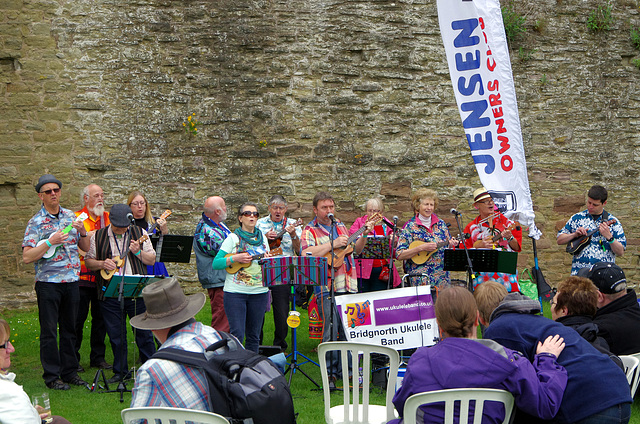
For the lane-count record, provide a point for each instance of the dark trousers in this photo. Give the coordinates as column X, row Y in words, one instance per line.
column 332, row 333
column 57, row 311
column 89, row 301
column 113, row 321
column 280, row 306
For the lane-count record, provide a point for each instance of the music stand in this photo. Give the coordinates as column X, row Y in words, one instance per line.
column 127, row 286
column 375, row 248
column 173, row 248
column 482, row 260
column 295, row 270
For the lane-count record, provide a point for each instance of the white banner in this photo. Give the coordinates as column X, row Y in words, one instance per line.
column 480, row 69
column 399, row 318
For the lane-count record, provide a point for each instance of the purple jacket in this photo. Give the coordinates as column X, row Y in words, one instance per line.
column 458, row 363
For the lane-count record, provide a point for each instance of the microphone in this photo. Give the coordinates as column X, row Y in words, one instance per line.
column 395, row 221
column 386, row 221
column 455, row 212
column 332, row 218
column 130, row 217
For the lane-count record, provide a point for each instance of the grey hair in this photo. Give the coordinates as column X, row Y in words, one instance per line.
column 377, row 201
column 276, row 198
column 85, row 192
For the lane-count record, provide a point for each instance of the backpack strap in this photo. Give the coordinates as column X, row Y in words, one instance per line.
column 217, row 395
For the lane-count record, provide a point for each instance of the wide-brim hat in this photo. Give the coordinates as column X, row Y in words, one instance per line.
column 167, row 305
column 119, row 215
column 608, row 277
column 46, row 179
column 481, row 194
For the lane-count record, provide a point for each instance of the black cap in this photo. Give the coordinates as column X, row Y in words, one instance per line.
column 46, row 179
column 118, row 215
column 608, row 277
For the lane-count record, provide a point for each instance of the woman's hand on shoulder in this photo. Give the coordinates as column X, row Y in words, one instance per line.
column 552, row 344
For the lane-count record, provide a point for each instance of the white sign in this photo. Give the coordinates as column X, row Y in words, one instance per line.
column 401, row 318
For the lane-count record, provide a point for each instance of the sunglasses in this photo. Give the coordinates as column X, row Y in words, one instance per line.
column 5, row 345
column 250, row 213
column 51, row 190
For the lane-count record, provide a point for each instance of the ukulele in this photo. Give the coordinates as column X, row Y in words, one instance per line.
column 479, row 244
column 164, row 215
column 54, row 247
column 276, row 241
column 578, row 244
column 424, row 256
column 119, row 262
column 339, row 254
column 236, row 266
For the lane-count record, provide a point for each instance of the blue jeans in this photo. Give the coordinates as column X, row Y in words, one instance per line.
column 113, row 321
column 245, row 313
column 57, row 312
column 618, row 414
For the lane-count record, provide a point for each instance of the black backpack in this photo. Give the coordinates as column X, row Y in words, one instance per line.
column 244, row 387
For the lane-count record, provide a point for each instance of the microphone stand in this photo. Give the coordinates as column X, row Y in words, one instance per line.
column 471, row 275
column 122, row 387
column 333, row 334
column 392, row 251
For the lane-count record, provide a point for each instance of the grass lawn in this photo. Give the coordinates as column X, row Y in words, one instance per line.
column 80, row 406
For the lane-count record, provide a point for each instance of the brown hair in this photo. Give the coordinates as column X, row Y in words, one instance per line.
column 579, row 295
column 456, row 311
column 147, row 208
column 488, row 296
column 423, row 193
column 320, row 196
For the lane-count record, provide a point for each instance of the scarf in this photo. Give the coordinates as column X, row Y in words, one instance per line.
column 254, row 239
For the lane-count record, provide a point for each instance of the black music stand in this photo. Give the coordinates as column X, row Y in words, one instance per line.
column 295, row 270
column 127, row 286
column 482, row 260
column 173, row 248
column 375, row 248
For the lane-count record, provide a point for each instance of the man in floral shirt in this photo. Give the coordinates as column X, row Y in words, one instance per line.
column 606, row 243
column 56, row 281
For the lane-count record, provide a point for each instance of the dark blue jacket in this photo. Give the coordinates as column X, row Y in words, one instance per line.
column 595, row 382
column 458, row 363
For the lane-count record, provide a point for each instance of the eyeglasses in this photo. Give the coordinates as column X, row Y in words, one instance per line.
column 5, row 345
column 51, row 190
column 141, row 203
column 250, row 213
column 98, row 196
column 278, row 208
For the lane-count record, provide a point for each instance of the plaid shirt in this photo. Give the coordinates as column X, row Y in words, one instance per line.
column 160, row 382
column 64, row 265
column 346, row 279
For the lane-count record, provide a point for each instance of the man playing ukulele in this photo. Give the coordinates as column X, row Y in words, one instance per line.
column 108, row 245
column 282, row 231
column 604, row 244
column 491, row 229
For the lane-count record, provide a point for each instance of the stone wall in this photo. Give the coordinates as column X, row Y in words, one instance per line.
column 349, row 96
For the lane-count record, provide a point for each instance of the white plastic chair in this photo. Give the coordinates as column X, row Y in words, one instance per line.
column 636, row 379
column 631, row 370
column 450, row 396
column 356, row 407
column 163, row 415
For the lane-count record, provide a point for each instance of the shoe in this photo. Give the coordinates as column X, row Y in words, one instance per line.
column 77, row 381
column 103, row 365
column 115, row 379
column 58, row 384
column 80, row 368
